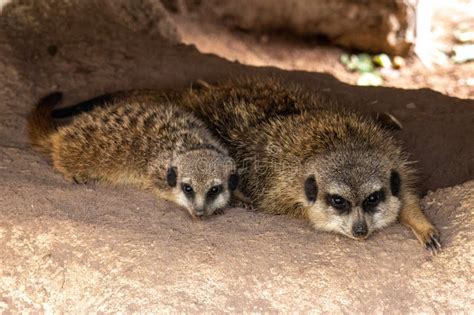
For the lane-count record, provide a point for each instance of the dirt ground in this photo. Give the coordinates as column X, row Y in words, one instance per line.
column 290, row 53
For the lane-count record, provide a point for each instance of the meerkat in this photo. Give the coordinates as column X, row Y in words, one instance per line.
column 299, row 156
column 160, row 148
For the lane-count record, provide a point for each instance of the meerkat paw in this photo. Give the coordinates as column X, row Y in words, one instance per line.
column 248, row 207
column 413, row 217
column 79, row 181
column 430, row 239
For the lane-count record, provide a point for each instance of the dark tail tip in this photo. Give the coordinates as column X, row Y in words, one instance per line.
column 82, row 107
column 51, row 99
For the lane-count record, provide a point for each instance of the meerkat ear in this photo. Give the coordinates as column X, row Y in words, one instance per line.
column 395, row 183
column 171, row 176
column 233, row 181
column 311, row 189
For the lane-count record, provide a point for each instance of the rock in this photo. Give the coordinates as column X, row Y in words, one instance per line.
column 77, row 249
column 373, row 26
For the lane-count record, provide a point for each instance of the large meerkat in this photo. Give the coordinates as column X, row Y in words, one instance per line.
column 301, row 157
column 160, row 148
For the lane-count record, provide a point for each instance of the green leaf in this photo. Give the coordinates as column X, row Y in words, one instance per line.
column 383, row 60
column 369, row 79
column 364, row 63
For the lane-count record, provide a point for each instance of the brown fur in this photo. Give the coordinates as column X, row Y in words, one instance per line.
column 280, row 135
column 137, row 143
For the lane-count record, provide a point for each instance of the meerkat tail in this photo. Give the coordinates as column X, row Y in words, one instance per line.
column 83, row 107
column 40, row 123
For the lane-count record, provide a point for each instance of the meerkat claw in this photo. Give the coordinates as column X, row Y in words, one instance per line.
column 219, row 212
column 433, row 244
column 78, row 181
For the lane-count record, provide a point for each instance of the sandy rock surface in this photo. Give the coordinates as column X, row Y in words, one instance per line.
column 387, row 26
column 75, row 248
column 85, row 248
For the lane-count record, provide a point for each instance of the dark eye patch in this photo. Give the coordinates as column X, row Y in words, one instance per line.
column 188, row 190
column 373, row 200
column 214, row 191
column 340, row 204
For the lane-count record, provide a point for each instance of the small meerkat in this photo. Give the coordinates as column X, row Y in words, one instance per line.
column 298, row 155
column 157, row 147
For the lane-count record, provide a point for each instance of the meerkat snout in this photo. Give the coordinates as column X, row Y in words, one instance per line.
column 359, row 229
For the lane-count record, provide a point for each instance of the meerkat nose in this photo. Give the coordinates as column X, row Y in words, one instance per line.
column 199, row 212
column 359, row 229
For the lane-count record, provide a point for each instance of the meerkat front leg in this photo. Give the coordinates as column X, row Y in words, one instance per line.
column 413, row 217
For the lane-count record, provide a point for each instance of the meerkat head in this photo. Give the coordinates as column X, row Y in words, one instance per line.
column 353, row 192
column 202, row 181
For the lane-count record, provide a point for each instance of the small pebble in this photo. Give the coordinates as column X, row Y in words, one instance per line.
column 410, row 105
column 398, row 62
column 264, row 39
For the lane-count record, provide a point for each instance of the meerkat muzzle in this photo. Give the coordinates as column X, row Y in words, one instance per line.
column 359, row 230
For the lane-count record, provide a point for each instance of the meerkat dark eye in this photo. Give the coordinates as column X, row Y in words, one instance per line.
column 214, row 191
column 339, row 203
column 370, row 203
column 187, row 189
column 374, row 199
